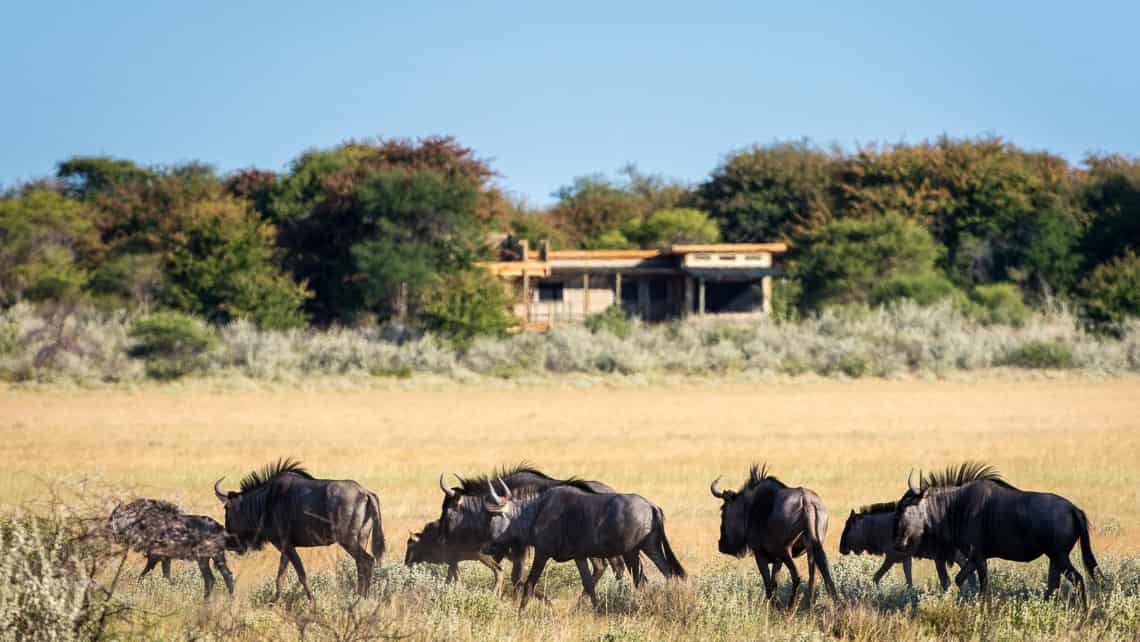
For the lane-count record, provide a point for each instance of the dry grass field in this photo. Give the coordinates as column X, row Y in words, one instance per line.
column 852, row 442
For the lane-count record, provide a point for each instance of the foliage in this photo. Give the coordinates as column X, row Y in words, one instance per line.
column 613, row 320
column 223, row 266
column 1111, row 195
column 46, row 245
column 844, row 260
column 1041, row 354
column 1112, row 290
column 999, row 303
column 466, row 304
column 674, row 226
column 593, row 206
column 171, row 344
column 923, row 289
column 765, row 193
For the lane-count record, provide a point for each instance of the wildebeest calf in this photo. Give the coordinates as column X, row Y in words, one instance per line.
column 872, row 530
column 162, row 532
column 427, row 546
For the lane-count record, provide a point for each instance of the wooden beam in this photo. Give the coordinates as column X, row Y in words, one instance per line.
column 701, row 298
column 585, row 296
column 617, row 289
column 737, row 248
column 766, row 295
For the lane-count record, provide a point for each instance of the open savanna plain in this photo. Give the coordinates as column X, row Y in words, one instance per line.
column 852, row 442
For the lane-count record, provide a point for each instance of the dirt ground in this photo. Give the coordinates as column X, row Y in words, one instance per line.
column 852, row 442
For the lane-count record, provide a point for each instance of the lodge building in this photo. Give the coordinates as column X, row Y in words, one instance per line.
column 724, row 280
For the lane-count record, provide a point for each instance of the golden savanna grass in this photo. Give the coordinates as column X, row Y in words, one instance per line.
column 852, row 442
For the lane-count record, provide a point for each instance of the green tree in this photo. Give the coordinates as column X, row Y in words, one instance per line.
column 47, row 246
column 672, row 226
column 765, row 193
column 465, row 304
column 594, row 206
column 844, row 260
column 222, row 265
column 1112, row 290
column 1110, row 193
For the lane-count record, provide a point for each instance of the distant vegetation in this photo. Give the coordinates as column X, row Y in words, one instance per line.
column 388, row 231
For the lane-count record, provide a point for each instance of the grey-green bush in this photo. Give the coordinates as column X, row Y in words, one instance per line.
column 171, row 344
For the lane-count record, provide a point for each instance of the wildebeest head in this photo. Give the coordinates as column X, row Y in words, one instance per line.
column 738, row 507
column 502, row 509
column 246, row 509
column 848, row 542
column 424, row 546
column 910, row 517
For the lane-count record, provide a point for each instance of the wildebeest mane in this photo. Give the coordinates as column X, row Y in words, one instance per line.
column 879, row 507
column 258, row 478
column 758, row 474
column 964, row 473
column 478, row 485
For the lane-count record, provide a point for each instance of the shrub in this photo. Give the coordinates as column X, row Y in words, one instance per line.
column 463, row 305
column 844, row 260
column 1112, row 291
column 613, row 320
column 1041, row 354
column 171, row 344
column 999, row 303
column 923, row 289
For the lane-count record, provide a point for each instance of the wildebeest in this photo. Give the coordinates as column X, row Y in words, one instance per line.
column 990, row 518
column 428, row 547
column 872, row 530
column 566, row 523
column 162, row 532
column 776, row 523
column 465, row 525
column 286, row 506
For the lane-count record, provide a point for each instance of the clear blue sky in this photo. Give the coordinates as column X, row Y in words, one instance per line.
column 549, row 93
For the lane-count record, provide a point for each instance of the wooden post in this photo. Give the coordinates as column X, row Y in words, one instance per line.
column 687, row 304
column 701, row 298
column 526, row 291
column 617, row 289
column 766, row 295
column 585, row 295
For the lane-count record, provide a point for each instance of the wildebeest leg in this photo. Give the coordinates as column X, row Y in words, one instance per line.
column 151, row 562
column 787, row 559
column 166, row 568
column 297, row 566
column 364, row 566
column 811, row 579
column 1054, row 579
column 490, row 563
column 587, row 581
column 906, row 564
column 518, row 560
column 281, row 567
column 532, row 579
column 762, row 566
column 220, row 564
column 886, row 566
column 452, row 572
column 652, row 549
column 616, row 563
column 633, row 563
column 943, row 576
column 1075, row 577
column 207, row 576
column 979, row 563
column 598, row 568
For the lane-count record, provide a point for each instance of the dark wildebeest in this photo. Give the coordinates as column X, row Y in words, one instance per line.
column 777, row 524
column 465, row 525
column 566, row 523
column 284, row 505
column 990, row 518
column 162, row 532
column 872, row 530
column 426, row 546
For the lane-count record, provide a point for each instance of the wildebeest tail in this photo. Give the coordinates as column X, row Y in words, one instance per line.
column 670, row 557
column 1086, row 546
column 815, row 536
column 377, row 526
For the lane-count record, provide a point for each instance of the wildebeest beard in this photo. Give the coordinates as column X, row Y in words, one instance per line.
column 245, row 519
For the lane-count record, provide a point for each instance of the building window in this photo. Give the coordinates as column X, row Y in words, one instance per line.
column 549, row 291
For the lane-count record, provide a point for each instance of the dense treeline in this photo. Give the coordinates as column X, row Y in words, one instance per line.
column 389, row 229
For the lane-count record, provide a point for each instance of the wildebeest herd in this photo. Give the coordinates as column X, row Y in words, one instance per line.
column 964, row 515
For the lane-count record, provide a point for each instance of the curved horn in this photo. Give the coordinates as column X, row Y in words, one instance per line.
column 222, row 497
column 506, row 489
column 494, row 495
column 921, row 481
column 909, row 483
column 714, row 491
column 442, row 486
